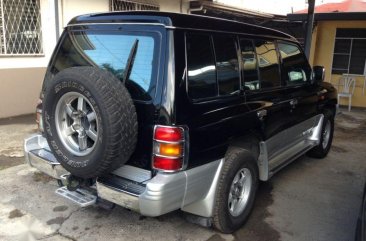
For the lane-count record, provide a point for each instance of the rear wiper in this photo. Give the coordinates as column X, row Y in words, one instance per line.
column 130, row 61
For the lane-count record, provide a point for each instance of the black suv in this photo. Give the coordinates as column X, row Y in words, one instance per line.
column 160, row 111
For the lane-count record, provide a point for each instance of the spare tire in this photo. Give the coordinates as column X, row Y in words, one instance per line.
column 90, row 121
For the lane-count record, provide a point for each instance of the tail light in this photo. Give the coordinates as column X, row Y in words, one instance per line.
column 170, row 148
column 39, row 119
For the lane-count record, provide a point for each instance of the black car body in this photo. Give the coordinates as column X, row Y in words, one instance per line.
column 225, row 84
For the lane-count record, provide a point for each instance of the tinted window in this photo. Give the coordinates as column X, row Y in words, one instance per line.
column 227, row 64
column 296, row 69
column 201, row 67
column 358, row 57
column 110, row 51
column 249, row 65
column 268, row 64
column 349, row 51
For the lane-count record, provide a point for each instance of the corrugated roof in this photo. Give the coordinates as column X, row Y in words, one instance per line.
column 344, row 6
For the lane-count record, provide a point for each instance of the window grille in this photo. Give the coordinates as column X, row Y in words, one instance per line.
column 126, row 5
column 20, row 27
column 349, row 56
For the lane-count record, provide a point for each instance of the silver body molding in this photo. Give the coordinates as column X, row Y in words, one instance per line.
column 192, row 190
column 288, row 145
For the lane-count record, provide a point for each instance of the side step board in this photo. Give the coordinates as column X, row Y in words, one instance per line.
column 81, row 196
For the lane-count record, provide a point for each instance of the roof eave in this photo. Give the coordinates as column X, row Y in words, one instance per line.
column 329, row 16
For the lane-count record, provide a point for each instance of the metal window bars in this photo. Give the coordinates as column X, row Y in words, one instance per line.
column 20, row 28
column 127, row 5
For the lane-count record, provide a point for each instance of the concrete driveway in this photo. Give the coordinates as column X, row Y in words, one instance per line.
column 310, row 199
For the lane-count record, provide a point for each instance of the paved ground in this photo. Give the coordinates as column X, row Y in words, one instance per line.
column 308, row 200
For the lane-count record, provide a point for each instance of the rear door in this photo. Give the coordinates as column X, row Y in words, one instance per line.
column 265, row 95
column 267, row 98
column 210, row 102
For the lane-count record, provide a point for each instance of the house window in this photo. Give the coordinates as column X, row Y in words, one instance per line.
column 126, row 5
column 20, row 27
column 350, row 52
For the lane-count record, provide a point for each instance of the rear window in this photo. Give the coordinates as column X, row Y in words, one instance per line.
column 201, row 67
column 110, row 51
column 213, row 68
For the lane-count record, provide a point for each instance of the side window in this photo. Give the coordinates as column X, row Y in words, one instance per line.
column 295, row 67
column 201, row 67
column 227, row 64
column 249, row 65
column 268, row 64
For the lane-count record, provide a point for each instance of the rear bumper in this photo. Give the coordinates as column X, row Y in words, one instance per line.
column 37, row 154
column 135, row 188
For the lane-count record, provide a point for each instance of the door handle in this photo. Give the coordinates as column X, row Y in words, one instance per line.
column 293, row 102
column 261, row 114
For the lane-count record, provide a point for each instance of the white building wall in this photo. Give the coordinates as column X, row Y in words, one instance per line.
column 174, row 6
column 72, row 8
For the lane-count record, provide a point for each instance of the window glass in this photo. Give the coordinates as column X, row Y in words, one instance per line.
column 110, row 51
column 201, row 67
column 20, row 27
column 349, row 55
column 249, row 65
column 351, row 33
column 295, row 67
column 342, row 46
column 268, row 64
column 358, row 57
column 227, row 64
column 133, row 5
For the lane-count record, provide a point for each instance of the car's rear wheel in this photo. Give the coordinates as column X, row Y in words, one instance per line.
column 236, row 190
column 326, row 138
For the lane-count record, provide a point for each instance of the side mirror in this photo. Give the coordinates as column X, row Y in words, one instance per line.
column 318, row 74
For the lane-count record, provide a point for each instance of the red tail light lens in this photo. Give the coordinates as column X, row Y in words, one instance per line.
column 167, row 164
column 167, row 133
column 169, row 148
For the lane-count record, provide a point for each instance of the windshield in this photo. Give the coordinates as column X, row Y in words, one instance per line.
column 111, row 51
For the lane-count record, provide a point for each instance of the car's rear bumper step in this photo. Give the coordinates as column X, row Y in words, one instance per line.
column 81, row 196
column 122, row 184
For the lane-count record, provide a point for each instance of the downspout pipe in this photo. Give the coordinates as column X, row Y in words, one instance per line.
column 309, row 27
column 57, row 20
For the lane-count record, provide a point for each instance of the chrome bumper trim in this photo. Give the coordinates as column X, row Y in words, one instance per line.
column 52, row 168
column 119, row 197
column 37, row 154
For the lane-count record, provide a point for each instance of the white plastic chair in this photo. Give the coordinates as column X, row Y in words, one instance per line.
column 348, row 88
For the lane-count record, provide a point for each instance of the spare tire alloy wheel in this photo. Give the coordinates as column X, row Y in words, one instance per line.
column 90, row 121
column 76, row 123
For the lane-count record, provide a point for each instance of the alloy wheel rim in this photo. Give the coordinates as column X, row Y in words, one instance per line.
column 326, row 135
column 76, row 123
column 239, row 192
